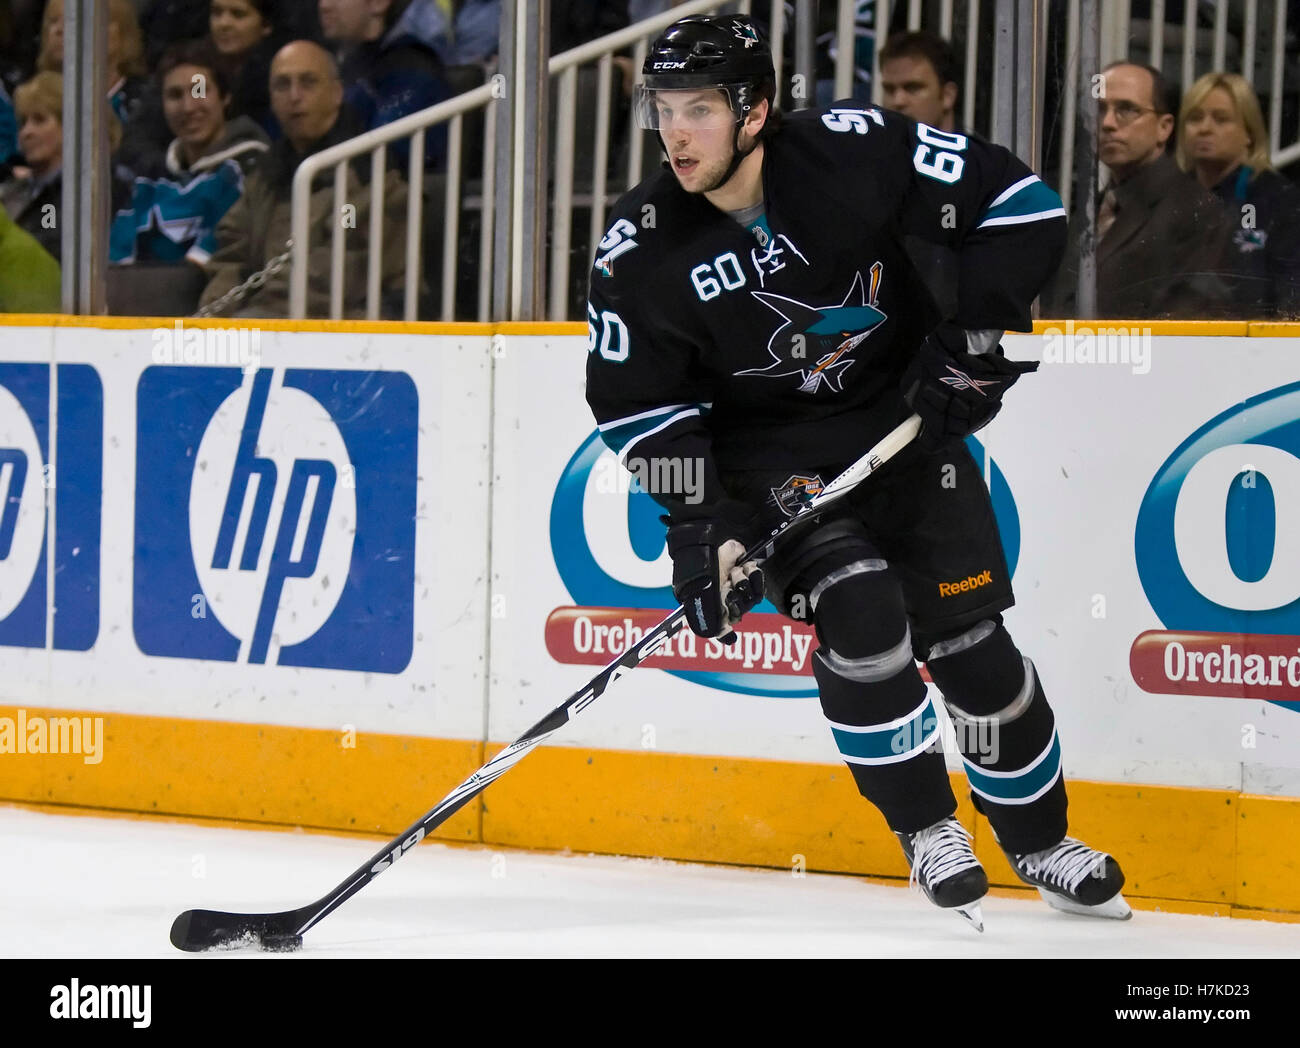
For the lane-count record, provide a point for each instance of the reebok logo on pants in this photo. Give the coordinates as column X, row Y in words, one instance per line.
column 951, row 589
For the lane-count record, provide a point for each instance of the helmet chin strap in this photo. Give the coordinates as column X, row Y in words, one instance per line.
column 737, row 158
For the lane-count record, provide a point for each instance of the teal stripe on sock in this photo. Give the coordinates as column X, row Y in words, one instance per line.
column 1019, row 787
column 888, row 745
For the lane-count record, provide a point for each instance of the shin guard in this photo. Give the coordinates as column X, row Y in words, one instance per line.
column 884, row 724
column 1007, row 735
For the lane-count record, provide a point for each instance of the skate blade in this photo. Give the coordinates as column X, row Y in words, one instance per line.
column 1115, row 909
column 973, row 914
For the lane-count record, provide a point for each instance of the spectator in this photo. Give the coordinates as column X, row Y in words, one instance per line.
column 866, row 13
column 577, row 22
column 175, row 209
column 919, row 77
column 20, row 40
column 307, row 96
column 246, row 34
column 1222, row 141
column 29, row 277
column 1162, row 240
column 167, row 22
column 144, row 133
column 477, row 33
column 34, row 195
column 430, row 22
column 8, row 130
column 127, row 83
column 640, row 10
column 388, row 71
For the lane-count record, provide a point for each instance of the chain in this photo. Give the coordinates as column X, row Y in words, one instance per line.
column 219, row 306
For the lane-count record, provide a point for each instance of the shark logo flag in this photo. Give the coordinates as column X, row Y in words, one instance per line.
column 816, row 342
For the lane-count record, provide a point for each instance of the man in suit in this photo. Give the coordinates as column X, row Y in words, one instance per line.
column 1161, row 238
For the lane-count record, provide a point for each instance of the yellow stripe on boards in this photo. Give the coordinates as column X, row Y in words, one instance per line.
column 338, row 327
column 1174, row 842
column 540, row 327
column 343, row 327
column 1268, row 853
column 1274, row 329
column 1162, row 328
column 1184, row 850
column 676, row 806
column 258, row 773
column 1157, row 328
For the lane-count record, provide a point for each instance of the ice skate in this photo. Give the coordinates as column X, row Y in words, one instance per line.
column 946, row 869
column 1074, row 878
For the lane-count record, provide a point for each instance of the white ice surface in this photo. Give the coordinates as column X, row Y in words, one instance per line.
column 75, row 886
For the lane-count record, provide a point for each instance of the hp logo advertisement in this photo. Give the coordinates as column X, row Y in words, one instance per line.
column 50, row 505
column 275, row 516
column 608, row 546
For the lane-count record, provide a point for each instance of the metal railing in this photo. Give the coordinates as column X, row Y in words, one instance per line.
column 564, row 68
column 1249, row 35
column 1246, row 36
column 413, row 127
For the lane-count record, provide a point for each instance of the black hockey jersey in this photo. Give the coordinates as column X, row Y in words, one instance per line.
column 784, row 346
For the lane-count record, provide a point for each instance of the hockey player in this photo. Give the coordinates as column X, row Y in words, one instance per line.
column 752, row 312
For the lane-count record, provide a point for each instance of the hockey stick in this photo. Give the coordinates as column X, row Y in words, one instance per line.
column 197, row 930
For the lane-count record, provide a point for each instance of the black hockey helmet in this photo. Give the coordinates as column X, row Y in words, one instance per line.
column 723, row 52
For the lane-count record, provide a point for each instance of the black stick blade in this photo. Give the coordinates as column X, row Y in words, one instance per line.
column 197, row 930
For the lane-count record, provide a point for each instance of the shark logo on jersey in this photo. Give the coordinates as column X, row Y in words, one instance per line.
column 815, row 342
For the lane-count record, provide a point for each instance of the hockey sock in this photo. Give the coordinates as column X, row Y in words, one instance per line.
column 883, row 722
column 1006, row 733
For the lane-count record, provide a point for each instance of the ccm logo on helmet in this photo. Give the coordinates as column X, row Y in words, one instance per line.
column 951, row 589
column 670, row 65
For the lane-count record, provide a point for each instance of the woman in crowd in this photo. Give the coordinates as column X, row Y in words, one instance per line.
column 246, row 35
column 34, row 195
column 175, row 207
column 1222, row 141
column 127, row 80
column 144, row 133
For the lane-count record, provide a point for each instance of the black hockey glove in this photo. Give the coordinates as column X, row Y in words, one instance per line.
column 954, row 391
column 715, row 590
